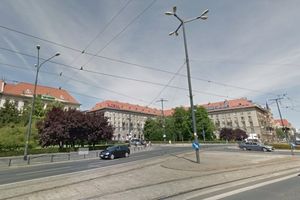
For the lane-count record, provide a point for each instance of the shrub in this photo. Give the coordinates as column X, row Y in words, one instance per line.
column 284, row 146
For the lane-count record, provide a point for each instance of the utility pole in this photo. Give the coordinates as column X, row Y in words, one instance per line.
column 163, row 117
column 282, row 124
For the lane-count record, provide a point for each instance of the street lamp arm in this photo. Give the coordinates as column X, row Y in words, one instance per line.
column 57, row 54
column 176, row 31
column 178, row 18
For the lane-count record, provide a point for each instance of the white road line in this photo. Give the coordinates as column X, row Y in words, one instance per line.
column 39, row 171
column 220, row 196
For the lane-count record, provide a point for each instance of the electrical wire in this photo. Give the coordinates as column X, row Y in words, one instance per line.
column 146, row 82
column 135, row 64
column 141, row 66
column 169, row 82
column 99, row 34
column 122, row 31
column 76, row 80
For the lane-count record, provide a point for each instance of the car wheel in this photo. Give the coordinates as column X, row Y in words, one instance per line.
column 126, row 154
column 245, row 149
column 265, row 150
column 112, row 156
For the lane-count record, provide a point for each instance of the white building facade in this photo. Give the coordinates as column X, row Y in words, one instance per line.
column 21, row 94
column 256, row 121
column 128, row 120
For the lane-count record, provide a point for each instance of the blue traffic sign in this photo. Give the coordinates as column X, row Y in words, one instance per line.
column 196, row 145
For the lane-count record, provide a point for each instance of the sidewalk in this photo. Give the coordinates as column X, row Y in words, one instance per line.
column 168, row 177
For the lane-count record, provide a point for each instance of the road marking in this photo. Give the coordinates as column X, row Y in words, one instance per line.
column 39, row 171
column 220, row 196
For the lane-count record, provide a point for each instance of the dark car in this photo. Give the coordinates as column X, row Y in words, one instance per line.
column 115, row 152
column 255, row 146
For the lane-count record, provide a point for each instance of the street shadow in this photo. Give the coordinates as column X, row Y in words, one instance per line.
column 190, row 160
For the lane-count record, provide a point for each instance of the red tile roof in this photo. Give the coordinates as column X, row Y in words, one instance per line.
column 229, row 104
column 27, row 89
column 126, row 106
column 278, row 122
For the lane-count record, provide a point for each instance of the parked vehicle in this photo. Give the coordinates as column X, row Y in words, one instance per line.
column 115, row 152
column 255, row 146
column 136, row 142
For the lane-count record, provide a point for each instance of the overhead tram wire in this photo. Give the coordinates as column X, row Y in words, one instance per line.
column 73, row 92
column 82, row 82
column 151, row 83
column 146, row 67
column 130, row 63
column 153, row 100
column 101, row 32
column 107, row 25
column 122, row 31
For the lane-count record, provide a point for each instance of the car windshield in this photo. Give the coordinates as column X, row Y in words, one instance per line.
column 111, row 148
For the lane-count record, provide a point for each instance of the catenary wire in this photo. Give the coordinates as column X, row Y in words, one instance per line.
column 130, row 63
column 146, row 82
column 122, row 31
column 142, row 66
column 99, row 34
column 169, row 82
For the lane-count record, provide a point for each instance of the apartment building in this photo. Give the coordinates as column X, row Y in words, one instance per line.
column 242, row 113
column 284, row 123
column 21, row 94
column 128, row 120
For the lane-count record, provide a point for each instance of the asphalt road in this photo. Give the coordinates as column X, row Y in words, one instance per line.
column 283, row 190
column 16, row 174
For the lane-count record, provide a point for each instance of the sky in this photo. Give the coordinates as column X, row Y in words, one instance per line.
column 247, row 49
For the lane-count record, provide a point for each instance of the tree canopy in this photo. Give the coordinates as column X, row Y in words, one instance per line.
column 73, row 127
column 9, row 114
column 179, row 126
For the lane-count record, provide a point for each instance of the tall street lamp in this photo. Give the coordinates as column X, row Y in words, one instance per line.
column 203, row 16
column 38, row 67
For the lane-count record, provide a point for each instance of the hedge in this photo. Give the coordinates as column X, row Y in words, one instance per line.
column 284, row 146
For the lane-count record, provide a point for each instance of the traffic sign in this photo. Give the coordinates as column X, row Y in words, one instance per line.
column 196, row 145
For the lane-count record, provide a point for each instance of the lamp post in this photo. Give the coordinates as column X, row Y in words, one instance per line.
column 182, row 23
column 38, row 66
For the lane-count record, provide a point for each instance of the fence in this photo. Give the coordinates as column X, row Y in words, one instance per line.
column 57, row 157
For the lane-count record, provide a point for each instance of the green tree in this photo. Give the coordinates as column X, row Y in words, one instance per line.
column 54, row 104
column 182, row 124
column 170, row 129
column 9, row 114
column 280, row 133
column 39, row 111
column 153, row 130
column 204, row 124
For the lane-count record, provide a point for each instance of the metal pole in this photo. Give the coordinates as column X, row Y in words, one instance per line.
column 163, row 118
column 190, row 92
column 282, row 124
column 32, row 106
column 38, row 66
